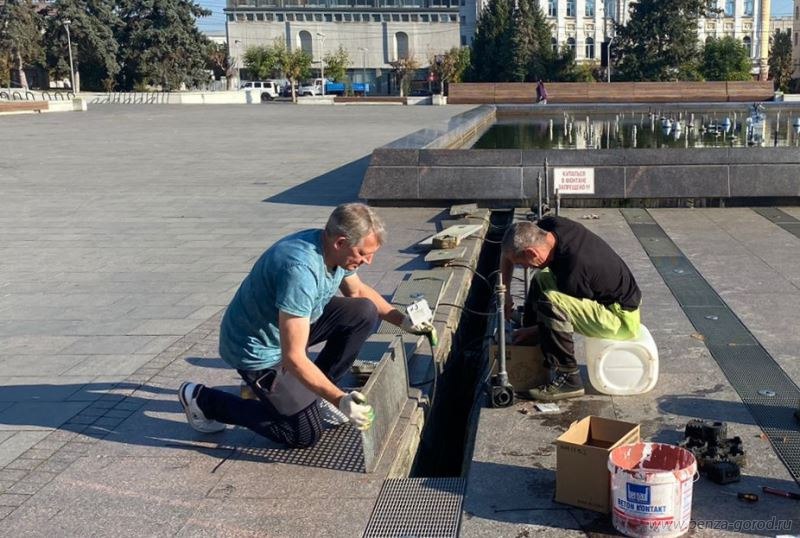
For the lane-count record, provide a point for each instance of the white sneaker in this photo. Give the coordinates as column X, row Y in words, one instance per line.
column 330, row 414
column 187, row 395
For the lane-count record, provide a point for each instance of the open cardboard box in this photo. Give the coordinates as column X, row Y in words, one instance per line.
column 525, row 366
column 582, row 476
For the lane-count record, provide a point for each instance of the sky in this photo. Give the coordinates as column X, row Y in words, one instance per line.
column 215, row 24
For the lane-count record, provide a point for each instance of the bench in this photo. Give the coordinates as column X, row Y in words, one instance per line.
column 8, row 107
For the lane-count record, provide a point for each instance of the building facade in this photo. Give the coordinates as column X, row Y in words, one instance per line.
column 796, row 40
column 373, row 32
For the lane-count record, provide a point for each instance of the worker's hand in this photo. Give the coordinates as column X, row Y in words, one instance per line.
column 355, row 406
column 525, row 336
column 425, row 328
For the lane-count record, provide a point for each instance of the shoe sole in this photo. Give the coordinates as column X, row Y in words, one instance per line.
column 185, row 404
column 557, row 397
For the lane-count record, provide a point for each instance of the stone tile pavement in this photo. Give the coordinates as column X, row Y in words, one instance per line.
column 123, row 234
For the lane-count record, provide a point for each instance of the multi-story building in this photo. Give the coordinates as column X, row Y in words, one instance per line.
column 796, row 40
column 373, row 32
column 584, row 24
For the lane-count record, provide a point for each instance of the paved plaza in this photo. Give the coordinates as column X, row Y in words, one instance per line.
column 125, row 231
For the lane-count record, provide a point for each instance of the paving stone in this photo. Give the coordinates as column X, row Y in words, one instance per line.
column 11, row 499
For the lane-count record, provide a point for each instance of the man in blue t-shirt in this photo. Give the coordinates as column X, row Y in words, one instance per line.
column 287, row 303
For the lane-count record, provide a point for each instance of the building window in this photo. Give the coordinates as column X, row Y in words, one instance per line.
column 552, row 8
column 230, row 17
column 424, row 17
column 395, row 17
column 348, row 17
column 305, row 43
column 434, row 17
column 404, row 17
column 279, row 17
column 463, row 19
column 611, row 9
column 414, row 17
column 401, row 45
column 269, row 17
column 748, row 45
column 730, row 8
column 260, row 17
column 748, row 8
column 328, row 17
column 463, row 41
column 570, row 8
column 318, row 17
column 290, row 17
column 795, row 38
column 250, row 17
column 589, row 47
column 590, row 8
column 571, row 44
column 554, row 44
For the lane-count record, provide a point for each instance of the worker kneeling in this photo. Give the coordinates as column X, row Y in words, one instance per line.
column 285, row 305
column 584, row 287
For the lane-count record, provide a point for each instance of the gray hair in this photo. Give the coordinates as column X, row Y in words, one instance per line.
column 354, row 222
column 522, row 235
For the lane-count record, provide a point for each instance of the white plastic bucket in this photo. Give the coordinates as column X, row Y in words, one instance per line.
column 623, row 367
column 651, row 489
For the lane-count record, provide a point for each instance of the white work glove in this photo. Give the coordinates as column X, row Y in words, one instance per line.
column 355, row 406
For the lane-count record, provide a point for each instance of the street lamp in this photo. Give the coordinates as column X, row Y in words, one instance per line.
column 364, row 51
column 608, row 58
column 236, row 44
column 322, row 59
column 67, row 22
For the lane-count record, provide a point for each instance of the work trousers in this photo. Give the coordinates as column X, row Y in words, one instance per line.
column 344, row 326
column 558, row 315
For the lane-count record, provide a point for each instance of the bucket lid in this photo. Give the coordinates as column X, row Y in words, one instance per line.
column 649, row 459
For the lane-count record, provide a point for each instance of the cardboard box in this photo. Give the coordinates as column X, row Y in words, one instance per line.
column 582, row 475
column 525, row 366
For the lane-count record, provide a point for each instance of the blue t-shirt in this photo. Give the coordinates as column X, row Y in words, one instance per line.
column 290, row 276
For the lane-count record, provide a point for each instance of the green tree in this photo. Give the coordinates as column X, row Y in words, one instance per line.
column 659, row 42
column 725, row 58
column 520, row 38
column 404, row 69
column 296, row 65
column 161, row 44
column 264, row 61
column 93, row 28
column 450, row 66
column 336, row 64
column 219, row 62
column 780, row 59
column 490, row 48
column 20, row 41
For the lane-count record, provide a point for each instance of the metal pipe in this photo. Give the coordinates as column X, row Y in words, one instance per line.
column 500, row 289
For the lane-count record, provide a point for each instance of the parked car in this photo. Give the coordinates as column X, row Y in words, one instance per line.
column 310, row 87
column 266, row 90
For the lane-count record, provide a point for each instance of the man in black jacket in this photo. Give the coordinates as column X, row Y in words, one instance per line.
column 583, row 286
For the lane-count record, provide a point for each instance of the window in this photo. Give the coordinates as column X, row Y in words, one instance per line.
column 453, row 17
column 463, row 41
column 590, row 8
column 424, row 17
column 401, row 45
column 730, row 8
column 318, row 17
column 404, row 17
column 230, row 17
column 260, row 17
column 328, row 17
column 414, row 17
column 395, row 17
column 552, row 8
column 611, row 9
column 337, row 17
column 571, row 44
column 748, row 8
column 463, row 19
column 279, row 17
column 305, row 43
column 269, row 17
column 290, row 17
column 348, row 17
column 570, row 8
column 250, row 17
column 795, row 38
column 434, row 17
column 589, row 47
column 554, row 44
column 748, row 45
column 376, row 17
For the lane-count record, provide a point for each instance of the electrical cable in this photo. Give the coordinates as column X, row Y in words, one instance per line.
column 474, row 272
column 465, row 309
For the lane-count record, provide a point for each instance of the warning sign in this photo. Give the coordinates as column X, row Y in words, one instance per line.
column 573, row 180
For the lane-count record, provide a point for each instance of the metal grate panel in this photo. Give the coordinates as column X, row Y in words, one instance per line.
column 769, row 394
column 685, row 283
column 780, row 218
column 417, row 507
column 430, row 284
column 339, row 449
column 654, row 241
column 719, row 325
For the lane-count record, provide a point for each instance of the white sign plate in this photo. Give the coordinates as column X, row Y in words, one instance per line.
column 573, row 180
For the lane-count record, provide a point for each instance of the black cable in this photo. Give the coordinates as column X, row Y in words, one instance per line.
column 465, row 309
column 474, row 272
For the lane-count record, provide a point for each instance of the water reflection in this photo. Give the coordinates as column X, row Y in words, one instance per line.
column 745, row 127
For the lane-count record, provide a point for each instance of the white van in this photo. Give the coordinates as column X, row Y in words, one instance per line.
column 266, row 90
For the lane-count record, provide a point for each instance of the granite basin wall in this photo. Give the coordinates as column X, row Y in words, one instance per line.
column 427, row 176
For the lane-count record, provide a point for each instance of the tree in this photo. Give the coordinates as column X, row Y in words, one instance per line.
column 264, row 61
column 450, row 66
column 219, row 62
column 161, row 44
column 513, row 44
column 296, row 64
column 20, row 41
column 336, row 64
column 93, row 31
column 725, row 58
column 780, row 59
column 403, row 70
column 659, row 42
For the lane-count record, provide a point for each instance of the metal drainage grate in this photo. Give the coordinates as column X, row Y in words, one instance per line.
column 769, row 394
column 780, row 218
column 418, row 508
column 339, row 449
column 429, row 284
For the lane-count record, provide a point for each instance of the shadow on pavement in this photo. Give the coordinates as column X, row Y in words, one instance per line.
column 331, row 188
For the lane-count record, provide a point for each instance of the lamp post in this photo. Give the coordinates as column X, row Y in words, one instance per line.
column 608, row 59
column 67, row 22
column 364, row 51
column 321, row 37
column 236, row 44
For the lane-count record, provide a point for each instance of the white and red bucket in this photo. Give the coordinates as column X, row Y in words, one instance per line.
column 651, row 489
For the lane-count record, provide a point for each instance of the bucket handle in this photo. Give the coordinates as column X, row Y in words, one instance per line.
column 696, row 476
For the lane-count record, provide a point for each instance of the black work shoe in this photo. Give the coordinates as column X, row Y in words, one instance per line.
column 563, row 386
